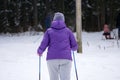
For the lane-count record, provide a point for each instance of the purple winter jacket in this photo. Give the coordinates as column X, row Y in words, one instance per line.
column 59, row 40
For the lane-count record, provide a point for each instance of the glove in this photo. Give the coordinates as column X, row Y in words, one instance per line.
column 39, row 54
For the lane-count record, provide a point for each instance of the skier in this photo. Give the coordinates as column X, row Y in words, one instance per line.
column 60, row 41
column 107, row 32
column 48, row 21
column 118, row 25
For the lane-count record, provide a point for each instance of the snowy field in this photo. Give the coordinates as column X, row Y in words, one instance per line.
column 100, row 59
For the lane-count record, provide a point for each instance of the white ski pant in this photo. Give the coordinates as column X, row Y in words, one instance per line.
column 59, row 69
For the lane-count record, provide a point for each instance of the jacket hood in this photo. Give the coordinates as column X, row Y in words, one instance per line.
column 58, row 21
column 58, row 25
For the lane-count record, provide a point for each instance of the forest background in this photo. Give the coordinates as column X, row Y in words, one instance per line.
column 36, row 15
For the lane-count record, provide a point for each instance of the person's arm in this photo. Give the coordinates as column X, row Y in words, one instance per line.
column 44, row 43
column 73, row 43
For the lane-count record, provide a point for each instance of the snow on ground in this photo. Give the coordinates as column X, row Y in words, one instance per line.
column 100, row 59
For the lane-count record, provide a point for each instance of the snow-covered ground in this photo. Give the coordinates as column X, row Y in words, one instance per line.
column 100, row 59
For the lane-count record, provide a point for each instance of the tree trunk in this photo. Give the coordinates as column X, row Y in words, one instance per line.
column 60, row 5
column 98, row 15
column 102, row 15
column 79, row 25
column 35, row 15
column 5, row 14
column 111, row 22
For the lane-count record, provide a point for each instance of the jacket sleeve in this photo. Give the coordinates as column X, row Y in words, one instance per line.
column 44, row 43
column 73, row 43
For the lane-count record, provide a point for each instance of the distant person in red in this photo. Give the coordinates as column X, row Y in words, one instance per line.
column 107, row 32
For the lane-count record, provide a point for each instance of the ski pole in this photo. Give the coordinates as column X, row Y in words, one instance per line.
column 75, row 66
column 39, row 67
